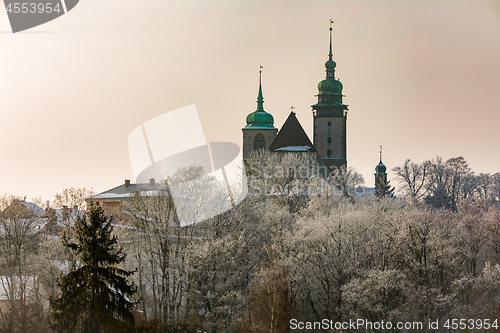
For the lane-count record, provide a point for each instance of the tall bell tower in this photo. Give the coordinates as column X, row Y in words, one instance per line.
column 330, row 117
column 260, row 131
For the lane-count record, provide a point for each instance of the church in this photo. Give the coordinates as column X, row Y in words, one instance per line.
column 328, row 147
column 330, row 124
column 329, row 130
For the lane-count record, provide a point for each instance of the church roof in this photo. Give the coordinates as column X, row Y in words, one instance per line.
column 380, row 168
column 292, row 137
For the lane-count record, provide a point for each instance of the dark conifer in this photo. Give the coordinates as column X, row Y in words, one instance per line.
column 94, row 297
column 384, row 189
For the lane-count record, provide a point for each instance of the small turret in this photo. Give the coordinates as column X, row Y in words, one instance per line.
column 382, row 186
column 380, row 171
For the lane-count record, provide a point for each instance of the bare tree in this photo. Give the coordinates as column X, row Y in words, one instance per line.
column 20, row 280
column 73, row 197
column 344, row 181
column 159, row 253
column 414, row 178
column 450, row 183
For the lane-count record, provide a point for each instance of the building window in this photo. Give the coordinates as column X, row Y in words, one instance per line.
column 329, row 140
column 329, row 127
column 329, row 153
column 259, row 142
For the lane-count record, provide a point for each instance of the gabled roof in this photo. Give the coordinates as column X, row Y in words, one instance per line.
column 128, row 191
column 21, row 207
column 292, row 137
column 33, row 208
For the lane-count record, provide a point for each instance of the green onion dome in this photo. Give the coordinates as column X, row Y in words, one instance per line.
column 330, row 91
column 330, row 86
column 260, row 119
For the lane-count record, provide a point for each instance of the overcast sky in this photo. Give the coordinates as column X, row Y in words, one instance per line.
column 421, row 78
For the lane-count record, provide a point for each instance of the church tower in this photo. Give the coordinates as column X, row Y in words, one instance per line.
column 330, row 118
column 383, row 187
column 260, row 131
column 380, row 172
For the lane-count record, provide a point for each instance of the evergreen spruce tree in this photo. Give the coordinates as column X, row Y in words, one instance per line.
column 384, row 189
column 94, row 297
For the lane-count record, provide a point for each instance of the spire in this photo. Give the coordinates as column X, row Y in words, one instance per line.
column 380, row 168
column 330, row 89
column 260, row 99
column 260, row 118
column 330, row 64
column 330, row 55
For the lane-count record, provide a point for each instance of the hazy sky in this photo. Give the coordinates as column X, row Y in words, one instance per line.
column 421, row 78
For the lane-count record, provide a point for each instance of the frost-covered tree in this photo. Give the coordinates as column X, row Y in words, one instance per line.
column 217, row 269
column 289, row 179
column 20, row 278
column 158, row 252
column 445, row 184
column 429, row 258
column 377, row 295
column 413, row 178
column 326, row 255
column 73, row 197
column 344, row 181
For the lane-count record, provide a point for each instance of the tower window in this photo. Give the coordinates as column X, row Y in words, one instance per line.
column 329, row 124
column 329, row 153
column 329, row 127
column 329, row 140
column 259, row 142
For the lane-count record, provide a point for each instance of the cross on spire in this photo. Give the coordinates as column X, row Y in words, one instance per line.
column 330, row 55
column 260, row 98
column 292, row 107
column 380, row 154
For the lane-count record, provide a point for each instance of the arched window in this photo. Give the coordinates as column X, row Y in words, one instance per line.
column 329, row 153
column 329, row 140
column 259, row 142
column 329, row 127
